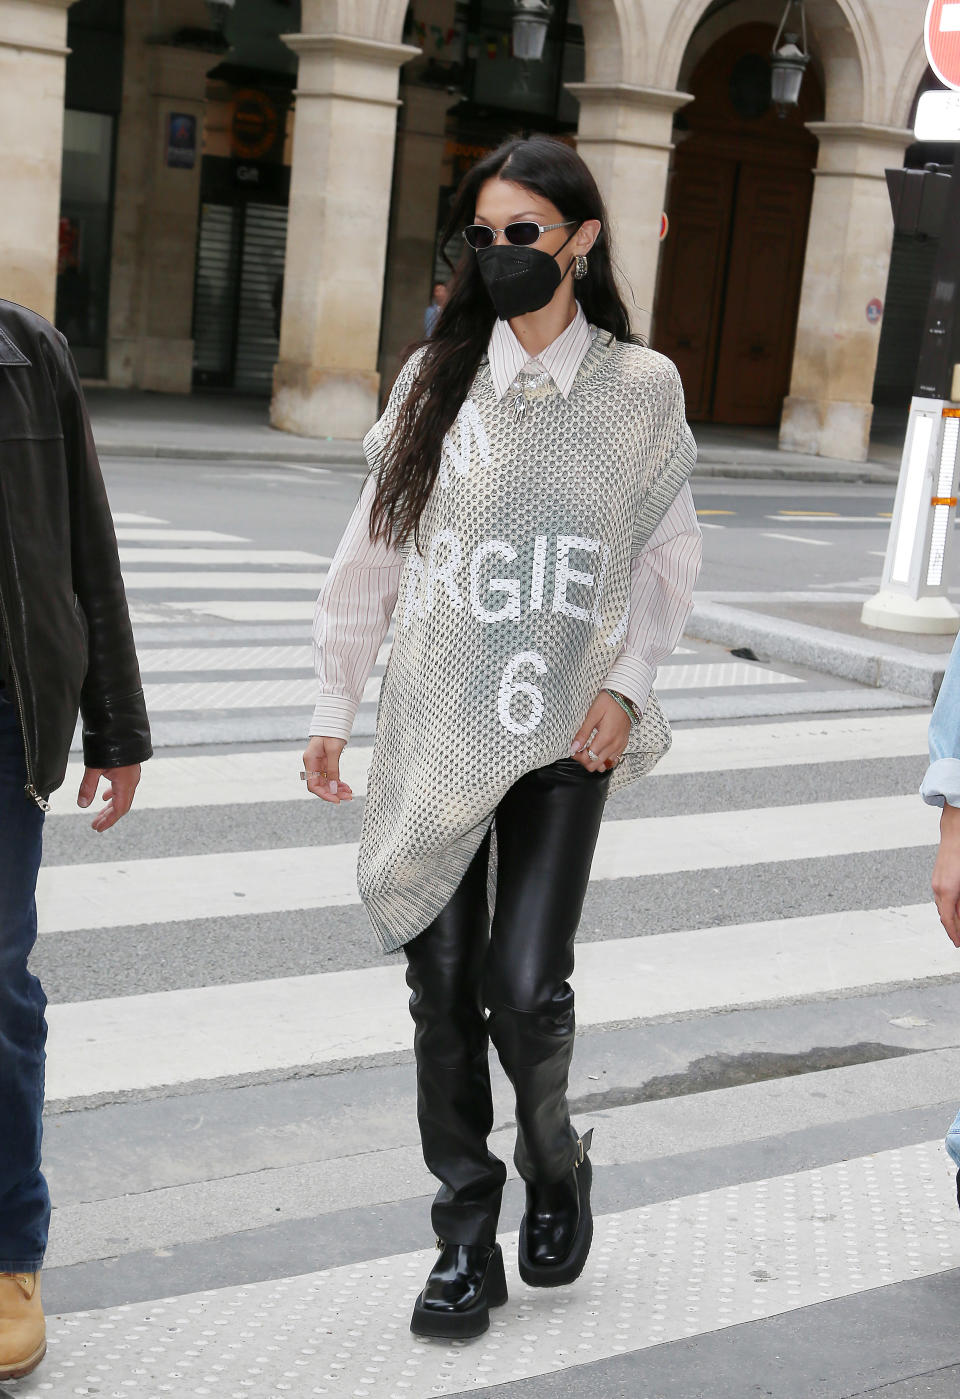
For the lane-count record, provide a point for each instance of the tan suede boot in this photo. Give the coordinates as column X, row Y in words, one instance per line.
column 23, row 1332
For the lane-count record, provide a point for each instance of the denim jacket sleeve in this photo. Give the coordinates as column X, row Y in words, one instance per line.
column 942, row 780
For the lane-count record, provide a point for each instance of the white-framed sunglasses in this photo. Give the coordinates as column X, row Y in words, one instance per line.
column 521, row 234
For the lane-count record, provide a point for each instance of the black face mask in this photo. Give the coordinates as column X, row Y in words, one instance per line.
column 520, row 280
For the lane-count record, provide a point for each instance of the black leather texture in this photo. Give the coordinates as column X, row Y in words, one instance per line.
column 67, row 641
column 473, row 980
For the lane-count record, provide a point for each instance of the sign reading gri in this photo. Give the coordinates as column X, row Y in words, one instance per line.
column 500, row 582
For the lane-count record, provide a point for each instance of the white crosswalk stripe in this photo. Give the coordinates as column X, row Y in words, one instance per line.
column 725, row 673
column 272, row 777
column 269, row 1028
column 138, row 582
column 234, row 694
column 735, row 1230
column 171, row 1037
column 177, row 1210
column 164, row 660
column 259, row 610
column 201, row 1059
column 198, row 570
column 200, row 558
column 112, row 895
column 140, row 534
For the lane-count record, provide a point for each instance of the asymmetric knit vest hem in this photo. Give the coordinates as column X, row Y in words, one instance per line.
column 513, row 611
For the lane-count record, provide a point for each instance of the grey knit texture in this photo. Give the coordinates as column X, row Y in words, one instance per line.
column 510, row 617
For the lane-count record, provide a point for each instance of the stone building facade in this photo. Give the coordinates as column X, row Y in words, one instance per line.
column 352, row 118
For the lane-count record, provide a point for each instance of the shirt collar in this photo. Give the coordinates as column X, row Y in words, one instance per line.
column 560, row 360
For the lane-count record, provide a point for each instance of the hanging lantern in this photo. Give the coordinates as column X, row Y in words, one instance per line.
column 788, row 62
column 531, row 20
column 219, row 11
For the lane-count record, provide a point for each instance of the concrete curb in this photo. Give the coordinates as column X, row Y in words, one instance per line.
column 868, row 662
column 725, row 463
column 313, row 453
column 848, row 473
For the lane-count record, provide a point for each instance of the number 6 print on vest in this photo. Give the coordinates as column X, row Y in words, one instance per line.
column 510, row 687
column 513, row 610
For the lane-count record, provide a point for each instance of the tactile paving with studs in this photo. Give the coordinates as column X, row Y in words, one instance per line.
column 659, row 1273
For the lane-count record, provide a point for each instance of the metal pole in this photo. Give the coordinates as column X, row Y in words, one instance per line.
column 913, row 591
column 940, row 346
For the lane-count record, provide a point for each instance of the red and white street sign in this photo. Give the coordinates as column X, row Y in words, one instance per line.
column 941, row 37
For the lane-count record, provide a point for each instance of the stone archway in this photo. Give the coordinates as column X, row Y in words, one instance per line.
column 828, row 410
column 910, row 84
column 614, row 34
column 843, row 36
column 738, row 203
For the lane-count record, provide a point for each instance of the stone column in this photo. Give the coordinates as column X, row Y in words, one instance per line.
column 325, row 383
column 413, row 220
column 624, row 135
column 155, row 215
column 33, row 53
column 829, row 410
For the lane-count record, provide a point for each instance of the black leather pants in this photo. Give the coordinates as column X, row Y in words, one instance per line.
column 517, row 969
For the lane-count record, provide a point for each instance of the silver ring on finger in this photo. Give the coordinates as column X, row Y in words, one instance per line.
column 592, row 755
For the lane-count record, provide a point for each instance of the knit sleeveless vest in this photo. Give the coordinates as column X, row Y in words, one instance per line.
column 513, row 610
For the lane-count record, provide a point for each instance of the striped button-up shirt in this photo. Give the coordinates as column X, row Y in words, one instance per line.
column 358, row 598
column 561, row 360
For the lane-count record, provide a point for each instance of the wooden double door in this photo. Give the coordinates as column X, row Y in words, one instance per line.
column 730, row 284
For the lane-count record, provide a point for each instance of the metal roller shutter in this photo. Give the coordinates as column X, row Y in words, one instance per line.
column 264, row 247
column 215, row 292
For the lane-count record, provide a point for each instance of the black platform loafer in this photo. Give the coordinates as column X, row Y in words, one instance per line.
column 464, row 1283
column 557, row 1230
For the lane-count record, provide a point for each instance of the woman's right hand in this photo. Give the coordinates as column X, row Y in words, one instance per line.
column 321, row 759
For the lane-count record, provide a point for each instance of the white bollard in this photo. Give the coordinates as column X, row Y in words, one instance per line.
column 913, row 591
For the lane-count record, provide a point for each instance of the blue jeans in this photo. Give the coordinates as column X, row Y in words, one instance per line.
column 953, row 1141
column 24, row 1199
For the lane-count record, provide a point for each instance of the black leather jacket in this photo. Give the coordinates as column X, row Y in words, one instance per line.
column 66, row 643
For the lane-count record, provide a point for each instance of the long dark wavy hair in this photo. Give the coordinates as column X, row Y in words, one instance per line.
column 553, row 170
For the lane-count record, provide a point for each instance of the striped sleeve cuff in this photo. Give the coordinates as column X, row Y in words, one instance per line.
column 631, row 677
column 333, row 717
column 942, row 782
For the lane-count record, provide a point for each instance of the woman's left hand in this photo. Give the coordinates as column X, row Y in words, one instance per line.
column 603, row 750
column 946, row 873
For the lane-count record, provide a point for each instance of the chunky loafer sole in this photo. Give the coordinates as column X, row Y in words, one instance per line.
column 473, row 1320
column 24, row 1367
column 560, row 1274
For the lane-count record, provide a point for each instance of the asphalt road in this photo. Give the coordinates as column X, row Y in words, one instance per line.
column 805, row 537
column 767, row 1011
column 758, row 535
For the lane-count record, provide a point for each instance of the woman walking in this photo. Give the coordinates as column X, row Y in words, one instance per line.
column 528, row 522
